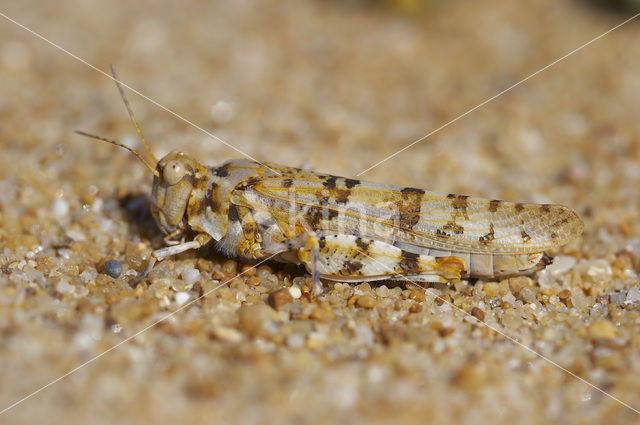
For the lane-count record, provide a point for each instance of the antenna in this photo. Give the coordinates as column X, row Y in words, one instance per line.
column 130, row 111
column 140, row 157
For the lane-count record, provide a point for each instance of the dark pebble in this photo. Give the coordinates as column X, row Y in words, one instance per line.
column 113, row 268
column 477, row 313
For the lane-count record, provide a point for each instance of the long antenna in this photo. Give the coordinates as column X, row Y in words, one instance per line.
column 140, row 157
column 133, row 119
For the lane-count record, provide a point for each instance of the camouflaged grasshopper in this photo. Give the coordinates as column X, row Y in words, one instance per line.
column 344, row 229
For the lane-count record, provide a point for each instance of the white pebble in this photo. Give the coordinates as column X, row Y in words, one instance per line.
column 578, row 299
column 382, row 291
column 528, row 295
column 181, row 297
column 36, row 276
column 633, row 295
column 545, row 279
column 190, row 276
column 88, row 275
column 63, row 287
column 295, row 292
column 222, row 112
column 75, row 235
column 599, row 268
column 561, row 265
column 227, row 334
column 60, row 209
column 509, row 298
column 363, row 334
column 97, row 206
column 295, row 340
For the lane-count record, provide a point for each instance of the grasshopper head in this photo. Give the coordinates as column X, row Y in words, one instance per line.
column 174, row 176
column 172, row 186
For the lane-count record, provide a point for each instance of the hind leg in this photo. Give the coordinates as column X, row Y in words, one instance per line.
column 307, row 249
column 349, row 258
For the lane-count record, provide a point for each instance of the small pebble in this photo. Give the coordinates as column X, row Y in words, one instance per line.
column 248, row 270
column 491, row 289
column 190, row 276
column 219, row 276
column 564, row 294
column 367, row 301
column 280, row 298
column 63, row 287
column 113, row 268
column 633, row 295
column 295, row 340
column 181, row 297
column 602, row 329
column 60, row 209
column 509, row 298
column 295, row 292
column 323, row 312
column 415, row 308
column 88, row 275
column 222, row 112
column 477, row 313
column 518, row 283
column 224, row 333
column 599, row 268
column 253, row 281
column 75, row 235
column 441, row 299
column 382, row 291
column 561, row 264
column 416, row 294
column 253, row 318
column 579, row 299
column 445, row 331
column 527, row 295
column 204, row 265
column 229, row 268
column 617, row 298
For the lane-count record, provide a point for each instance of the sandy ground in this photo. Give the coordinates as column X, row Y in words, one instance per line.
column 338, row 86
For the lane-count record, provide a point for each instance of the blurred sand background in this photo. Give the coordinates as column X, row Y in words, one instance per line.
column 339, row 86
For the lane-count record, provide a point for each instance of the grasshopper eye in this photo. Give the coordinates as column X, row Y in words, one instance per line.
column 173, row 172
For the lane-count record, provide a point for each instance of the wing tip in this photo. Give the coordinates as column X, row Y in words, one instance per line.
column 569, row 224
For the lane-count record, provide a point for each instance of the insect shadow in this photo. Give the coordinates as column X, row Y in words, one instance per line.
column 137, row 209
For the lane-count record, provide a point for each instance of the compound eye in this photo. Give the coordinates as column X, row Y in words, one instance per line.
column 173, row 172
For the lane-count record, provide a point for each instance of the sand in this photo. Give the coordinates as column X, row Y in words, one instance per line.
column 338, row 86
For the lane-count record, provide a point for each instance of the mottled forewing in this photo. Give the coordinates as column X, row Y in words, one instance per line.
column 412, row 216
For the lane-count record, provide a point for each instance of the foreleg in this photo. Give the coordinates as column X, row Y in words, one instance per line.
column 160, row 254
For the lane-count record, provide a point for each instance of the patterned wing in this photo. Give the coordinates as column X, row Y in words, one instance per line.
column 414, row 216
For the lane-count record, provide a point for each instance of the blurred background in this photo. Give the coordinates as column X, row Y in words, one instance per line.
column 338, row 85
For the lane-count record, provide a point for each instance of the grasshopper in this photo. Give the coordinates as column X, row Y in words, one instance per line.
column 344, row 229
